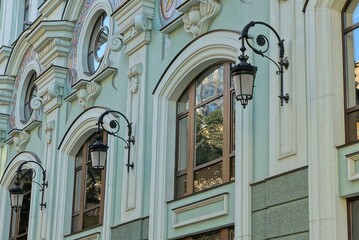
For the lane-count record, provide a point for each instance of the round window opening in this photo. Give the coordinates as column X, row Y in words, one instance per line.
column 98, row 42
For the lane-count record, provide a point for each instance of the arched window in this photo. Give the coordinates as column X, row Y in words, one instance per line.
column 31, row 92
column 20, row 219
column 89, row 191
column 351, row 69
column 205, row 132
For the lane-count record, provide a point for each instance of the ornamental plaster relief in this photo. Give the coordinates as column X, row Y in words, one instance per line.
column 49, row 129
column 134, row 76
column 20, row 139
column 87, row 92
column 197, row 18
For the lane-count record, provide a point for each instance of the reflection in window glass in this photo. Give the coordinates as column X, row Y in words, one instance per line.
column 210, row 86
column 205, row 132
column 351, row 46
column 209, row 132
column 88, row 191
column 98, row 42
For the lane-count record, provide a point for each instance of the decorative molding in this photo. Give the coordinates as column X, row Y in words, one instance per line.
column 194, row 212
column 20, row 138
column 87, row 92
column 353, row 167
column 135, row 22
column 49, row 129
column 196, row 19
column 52, row 41
column 50, row 86
column 5, row 52
column 115, row 42
column 141, row 23
column 134, row 76
column 6, row 87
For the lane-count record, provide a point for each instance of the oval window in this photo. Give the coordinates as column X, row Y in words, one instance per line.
column 98, row 42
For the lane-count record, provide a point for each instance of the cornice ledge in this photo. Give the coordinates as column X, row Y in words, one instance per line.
column 5, row 52
column 135, row 22
column 6, row 87
column 50, row 86
column 48, row 7
column 47, row 31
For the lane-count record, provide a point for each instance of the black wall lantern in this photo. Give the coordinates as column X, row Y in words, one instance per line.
column 98, row 149
column 17, row 193
column 243, row 74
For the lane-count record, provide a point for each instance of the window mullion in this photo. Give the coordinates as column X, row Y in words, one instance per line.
column 191, row 138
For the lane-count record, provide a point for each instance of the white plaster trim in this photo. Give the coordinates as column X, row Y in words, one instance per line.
column 224, row 211
column 21, row 93
column 208, row 49
column 96, row 9
column 352, row 173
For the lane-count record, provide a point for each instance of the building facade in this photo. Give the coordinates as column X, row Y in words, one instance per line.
column 196, row 164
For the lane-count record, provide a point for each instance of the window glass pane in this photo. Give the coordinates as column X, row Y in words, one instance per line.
column 183, row 102
column 210, row 86
column 231, row 234
column 211, row 236
column 78, row 160
column 182, row 144
column 209, row 132
column 91, row 218
column 181, row 186
column 208, row 177
column 93, row 187
column 352, row 72
column 25, row 210
column 77, row 192
column 351, row 14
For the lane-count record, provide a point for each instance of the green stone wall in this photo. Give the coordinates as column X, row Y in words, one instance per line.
column 280, row 207
column 135, row 230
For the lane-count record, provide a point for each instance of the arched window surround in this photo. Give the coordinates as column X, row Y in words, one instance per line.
column 208, row 49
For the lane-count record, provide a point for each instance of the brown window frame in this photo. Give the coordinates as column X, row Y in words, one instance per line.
column 15, row 223
column 228, row 154
column 85, row 163
column 349, row 215
column 225, row 234
column 348, row 110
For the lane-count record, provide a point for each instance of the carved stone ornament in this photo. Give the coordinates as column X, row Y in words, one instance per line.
column 54, row 90
column 36, row 103
column 115, row 43
column 196, row 20
column 87, row 93
column 20, row 138
column 49, row 131
column 134, row 76
column 141, row 23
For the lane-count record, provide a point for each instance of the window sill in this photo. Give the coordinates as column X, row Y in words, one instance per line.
column 87, row 233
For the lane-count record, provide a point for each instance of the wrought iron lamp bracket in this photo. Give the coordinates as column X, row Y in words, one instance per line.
column 263, row 41
column 42, row 185
column 115, row 128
